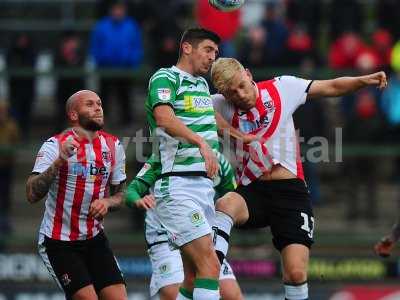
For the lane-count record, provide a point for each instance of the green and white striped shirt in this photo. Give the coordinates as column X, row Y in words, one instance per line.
column 189, row 96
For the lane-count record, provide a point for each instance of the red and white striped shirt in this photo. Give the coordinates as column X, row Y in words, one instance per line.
column 82, row 179
column 271, row 119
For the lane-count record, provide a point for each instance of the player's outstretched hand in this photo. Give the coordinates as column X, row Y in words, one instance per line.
column 147, row 202
column 384, row 247
column 68, row 148
column 379, row 79
column 210, row 159
column 98, row 209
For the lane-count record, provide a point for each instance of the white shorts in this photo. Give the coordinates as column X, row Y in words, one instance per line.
column 185, row 207
column 167, row 268
column 166, row 265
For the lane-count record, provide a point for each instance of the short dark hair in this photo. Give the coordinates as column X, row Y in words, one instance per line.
column 195, row 36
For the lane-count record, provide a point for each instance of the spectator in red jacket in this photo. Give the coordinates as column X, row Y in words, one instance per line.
column 345, row 50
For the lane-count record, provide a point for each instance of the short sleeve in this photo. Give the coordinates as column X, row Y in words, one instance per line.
column 223, row 107
column 293, row 92
column 162, row 89
column 47, row 154
column 118, row 174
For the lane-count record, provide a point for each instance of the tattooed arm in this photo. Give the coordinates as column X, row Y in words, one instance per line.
column 100, row 207
column 38, row 185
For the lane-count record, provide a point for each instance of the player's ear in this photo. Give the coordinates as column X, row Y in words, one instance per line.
column 186, row 48
column 248, row 73
column 73, row 115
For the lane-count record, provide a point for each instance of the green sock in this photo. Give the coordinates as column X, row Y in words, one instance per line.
column 206, row 289
column 184, row 294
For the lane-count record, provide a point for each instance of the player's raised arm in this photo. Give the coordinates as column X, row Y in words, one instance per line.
column 345, row 85
column 38, row 184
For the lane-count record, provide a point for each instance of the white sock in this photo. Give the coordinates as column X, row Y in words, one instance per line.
column 206, row 289
column 296, row 292
column 223, row 224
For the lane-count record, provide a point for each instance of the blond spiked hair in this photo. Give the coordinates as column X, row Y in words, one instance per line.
column 222, row 72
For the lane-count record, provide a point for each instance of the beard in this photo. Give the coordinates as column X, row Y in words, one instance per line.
column 89, row 124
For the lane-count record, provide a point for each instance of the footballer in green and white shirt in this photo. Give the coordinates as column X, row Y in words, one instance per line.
column 186, row 144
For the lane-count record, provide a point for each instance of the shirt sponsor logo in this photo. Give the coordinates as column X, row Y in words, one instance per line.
column 198, row 103
column 164, row 94
column 202, row 102
column 90, row 172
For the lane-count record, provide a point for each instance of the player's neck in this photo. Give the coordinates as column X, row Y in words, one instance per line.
column 84, row 133
column 185, row 66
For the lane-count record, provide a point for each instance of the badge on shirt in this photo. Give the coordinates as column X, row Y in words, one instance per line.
column 164, row 94
column 143, row 170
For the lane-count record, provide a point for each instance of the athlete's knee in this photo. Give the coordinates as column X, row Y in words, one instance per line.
column 295, row 276
column 233, row 205
column 113, row 292
column 169, row 292
column 86, row 293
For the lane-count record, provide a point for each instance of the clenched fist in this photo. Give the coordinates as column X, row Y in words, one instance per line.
column 68, row 148
column 379, row 79
column 98, row 209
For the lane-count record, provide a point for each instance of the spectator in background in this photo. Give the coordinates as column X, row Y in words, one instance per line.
column 164, row 32
column 252, row 53
column 9, row 137
column 21, row 55
column 225, row 24
column 116, row 43
column 363, row 127
column 71, row 58
column 276, row 36
column 344, row 51
column 166, row 41
column 307, row 12
column 382, row 43
column 299, row 46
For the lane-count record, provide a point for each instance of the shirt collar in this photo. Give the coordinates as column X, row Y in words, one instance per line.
column 184, row 74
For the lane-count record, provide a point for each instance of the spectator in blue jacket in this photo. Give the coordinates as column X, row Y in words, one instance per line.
column 116, row 43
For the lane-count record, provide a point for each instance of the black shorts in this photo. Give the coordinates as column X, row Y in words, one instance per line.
column 285, row 206
column 77, row 264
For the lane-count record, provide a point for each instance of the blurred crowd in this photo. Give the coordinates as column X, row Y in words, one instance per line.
column 303, row 35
